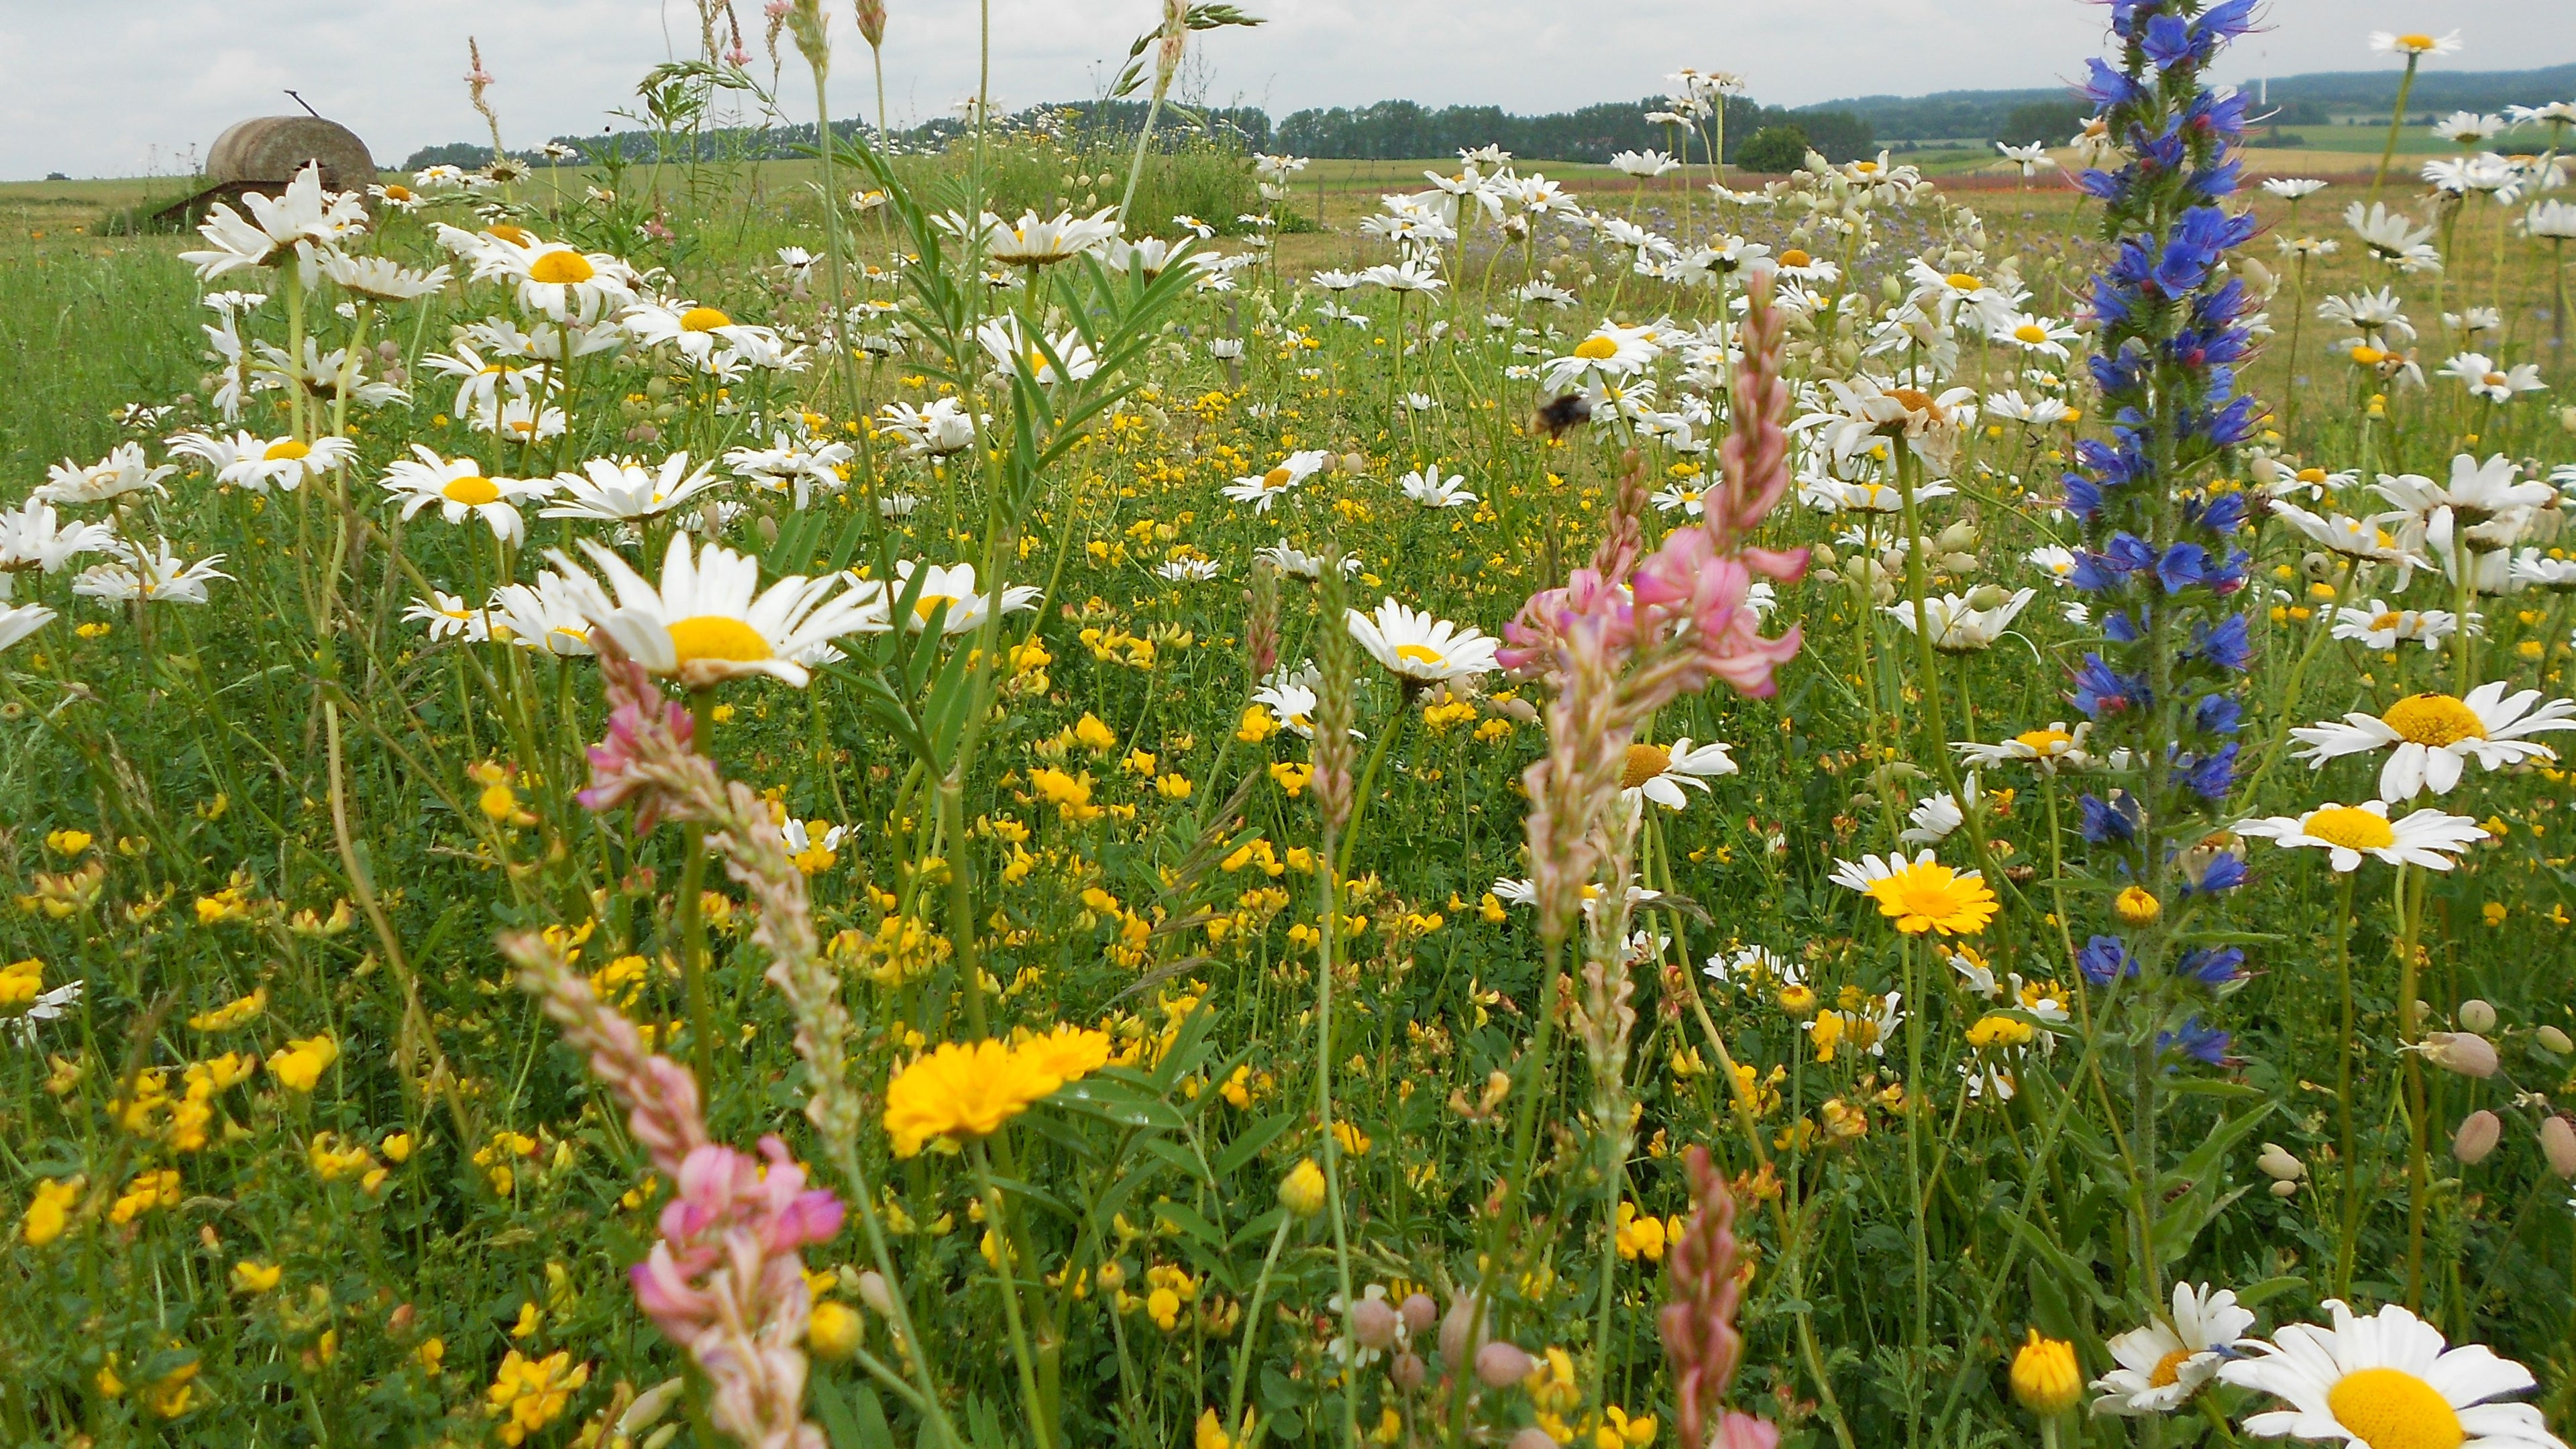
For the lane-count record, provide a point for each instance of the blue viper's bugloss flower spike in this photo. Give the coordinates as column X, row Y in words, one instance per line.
column 2214, row 967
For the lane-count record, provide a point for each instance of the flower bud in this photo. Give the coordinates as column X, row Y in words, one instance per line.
column 2554, row 1041
column 2558, row 1144
column 1500, row 1365
column 2044, row 1377
column 2285, row 1189
column 1419, row 1313
column 2464, row 1052
column 2478, row 1135
column 650, row 1405
column 2478, row 1016
column 1455, row 1343
column 1302, row 1190
column 1408, row 1371
column 833, row 1329
column 1374, row 1322
column 2277, row 1164
column 872, row 1292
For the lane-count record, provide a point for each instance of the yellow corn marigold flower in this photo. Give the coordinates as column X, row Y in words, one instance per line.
column 1067, row 1054
column 1921, row 895
column 2136, row 906
column 959, row 1091
column 2044, row 1377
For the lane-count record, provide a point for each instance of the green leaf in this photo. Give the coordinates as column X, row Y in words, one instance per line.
column 1249, row 1143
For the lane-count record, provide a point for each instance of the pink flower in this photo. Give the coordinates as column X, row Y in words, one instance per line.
column 1743, row 1431
column 641, row 726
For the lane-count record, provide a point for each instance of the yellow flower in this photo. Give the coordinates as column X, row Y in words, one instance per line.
column 21, row 982
column 299, row 1068
column 1639, row 1236
column 49, row 1212
column 961, row 1090
column 1618, row 1431
column 532, row 1393
column 2044, row 1376
column 1258, row 724
column 250, row 1277
column 68, row 842
column 834, row 1329
column 1926, row 895
column 1292, row 777
column 2137, row 907
column 1998, row 1030
column 1093, row 735
column 1302, row 1190
column 231, row 1014
column 1798, row 1000
column 1067, row 1054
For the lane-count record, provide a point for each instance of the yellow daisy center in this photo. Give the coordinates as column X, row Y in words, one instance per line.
column 2351, row 827
column 703, row 319
column 922, row 606
column 2312, row 475
column 2388, row 620
column 1279, row 477
column 285, row 450
column 397, row 193
column 473, row 491
column 2415, row 43
column 2433, row 719
column 2043, row 742
column 2368, row 356
column 1961, row 281
column 2388, row 1408
column 1596, row 349
column 560, row 268
column 515, row 235
column 714, row 636
column 1796, row 258
column 1865, row 168
column 2496, row 379
column 1645, row 762
column 2030, row 333
column 2168, row 1370
column 1421, row 654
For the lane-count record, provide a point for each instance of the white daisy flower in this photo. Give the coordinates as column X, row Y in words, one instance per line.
column 2389, row 1377
column 289, row 225
column 942, row 428
column 449, row 617
column 17, row 621
column 1658, row 772
column 953, row 586
column 2383, row 627
column 1421, row 647
column 1263, row 489
column 619, row 489
column 1002, row 341
column 2051, row 749
column 2432, row 737
column 709, row 620
column 461, row 491
column 1753, row 966
column 1962, row 623
column 792, row 465
column 1426, row 487
column 2165, row 1362
column 157, row 576
column 2428, row 837
column 124, row 470
column 1188, row 570
column 545, row 616
column 557, row 280
column 33, row 537
column 250, row 461
column 1296, row 563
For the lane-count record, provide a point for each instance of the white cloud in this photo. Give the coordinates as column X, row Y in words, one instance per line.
column 100, row 86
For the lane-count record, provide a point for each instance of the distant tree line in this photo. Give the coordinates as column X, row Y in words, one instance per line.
column 1394, row 130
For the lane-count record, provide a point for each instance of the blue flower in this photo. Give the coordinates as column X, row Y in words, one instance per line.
column 2106, row 821
column 2205, row 1044
column 2214, row 967
column 2208, row 776
column 2226, row 645
column 2105, row 959
column 2101, row 690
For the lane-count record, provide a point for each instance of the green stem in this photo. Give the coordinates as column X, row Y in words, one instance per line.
column 1039, row 1428
column 2396, row 124
column 1252, row 1322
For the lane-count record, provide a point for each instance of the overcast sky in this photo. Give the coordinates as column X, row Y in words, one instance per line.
column 95, row 86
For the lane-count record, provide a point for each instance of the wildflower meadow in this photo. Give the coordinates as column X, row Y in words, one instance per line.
column 918, row 797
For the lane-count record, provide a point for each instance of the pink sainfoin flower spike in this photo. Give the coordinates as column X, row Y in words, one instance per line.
column 726, row 1279
column 727, row 1283
column 1698, row 1325
column 642, row 726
